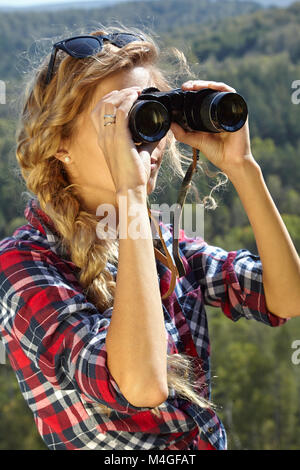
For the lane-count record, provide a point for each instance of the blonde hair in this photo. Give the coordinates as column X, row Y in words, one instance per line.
column 48, row 115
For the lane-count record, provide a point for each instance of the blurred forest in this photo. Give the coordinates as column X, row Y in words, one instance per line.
column 257, row 51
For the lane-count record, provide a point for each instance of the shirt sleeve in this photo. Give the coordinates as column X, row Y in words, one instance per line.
column 229, row 280
column 57, row 329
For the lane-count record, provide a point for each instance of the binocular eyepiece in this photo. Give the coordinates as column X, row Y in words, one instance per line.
column 205, row 110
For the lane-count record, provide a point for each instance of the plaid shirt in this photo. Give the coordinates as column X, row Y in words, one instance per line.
column 55, row 340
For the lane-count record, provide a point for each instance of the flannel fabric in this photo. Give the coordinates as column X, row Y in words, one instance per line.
column 55, row 340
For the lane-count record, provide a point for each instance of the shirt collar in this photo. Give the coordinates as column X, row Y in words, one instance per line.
column 39, row 220
column 37, row 217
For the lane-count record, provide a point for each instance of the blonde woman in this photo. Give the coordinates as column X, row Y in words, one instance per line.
column 104, row 360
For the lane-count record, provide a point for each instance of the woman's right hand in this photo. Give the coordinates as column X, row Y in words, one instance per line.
column 129, row 165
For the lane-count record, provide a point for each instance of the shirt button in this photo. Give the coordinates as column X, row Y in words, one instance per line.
column 210, row 430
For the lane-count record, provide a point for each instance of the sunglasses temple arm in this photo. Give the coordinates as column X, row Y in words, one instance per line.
column 51, row 64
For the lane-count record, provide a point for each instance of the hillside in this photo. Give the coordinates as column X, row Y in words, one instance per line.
column 262, row 32
column 157, row 16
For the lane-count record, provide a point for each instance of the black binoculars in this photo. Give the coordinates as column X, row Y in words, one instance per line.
column 205, row 110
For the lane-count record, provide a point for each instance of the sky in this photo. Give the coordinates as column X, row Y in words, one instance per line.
column 24, row 3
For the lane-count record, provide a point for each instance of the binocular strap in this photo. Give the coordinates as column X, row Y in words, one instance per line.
column 177, row 270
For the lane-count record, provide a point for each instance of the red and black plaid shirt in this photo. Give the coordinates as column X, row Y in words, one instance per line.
column 55, row 340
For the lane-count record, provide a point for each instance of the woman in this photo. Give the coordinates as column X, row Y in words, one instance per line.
column 102, row 361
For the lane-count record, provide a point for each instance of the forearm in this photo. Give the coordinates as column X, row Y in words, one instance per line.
column 136, row 338
column 280, row 261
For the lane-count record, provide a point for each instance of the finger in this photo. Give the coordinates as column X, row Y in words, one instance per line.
column 116, row 104
column 98, row 116
column 190, row 138
column 181, row 134
column 107, row 115
column 123, row 109
column 115, row 97
column 194, row 85
column 113, row 119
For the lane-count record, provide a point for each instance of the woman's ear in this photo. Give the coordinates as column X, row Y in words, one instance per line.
column 63, row 155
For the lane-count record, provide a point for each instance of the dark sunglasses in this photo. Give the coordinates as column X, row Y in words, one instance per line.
column 85, row 46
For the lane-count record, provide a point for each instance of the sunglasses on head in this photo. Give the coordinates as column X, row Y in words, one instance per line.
column 85, row 46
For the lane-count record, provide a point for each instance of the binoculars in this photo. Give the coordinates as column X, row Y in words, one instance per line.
column 205, row 110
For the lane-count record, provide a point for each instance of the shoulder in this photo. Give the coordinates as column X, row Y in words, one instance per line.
column 27, row 256
column 25, row 242
column 25, row 236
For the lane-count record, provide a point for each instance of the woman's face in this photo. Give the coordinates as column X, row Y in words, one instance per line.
column 88, row 166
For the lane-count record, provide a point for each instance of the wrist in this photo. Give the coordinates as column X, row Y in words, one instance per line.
column 131, row 202
column 139, row 193
column 132, row 214
column 247, row 170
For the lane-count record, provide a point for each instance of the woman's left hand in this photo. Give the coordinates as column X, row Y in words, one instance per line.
column 226, row 150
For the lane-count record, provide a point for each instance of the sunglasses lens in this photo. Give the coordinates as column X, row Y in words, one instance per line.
column 83, row 47
column 121, row 39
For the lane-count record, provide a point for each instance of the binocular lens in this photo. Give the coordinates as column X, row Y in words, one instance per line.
column 231, row 112
column 149, row 121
